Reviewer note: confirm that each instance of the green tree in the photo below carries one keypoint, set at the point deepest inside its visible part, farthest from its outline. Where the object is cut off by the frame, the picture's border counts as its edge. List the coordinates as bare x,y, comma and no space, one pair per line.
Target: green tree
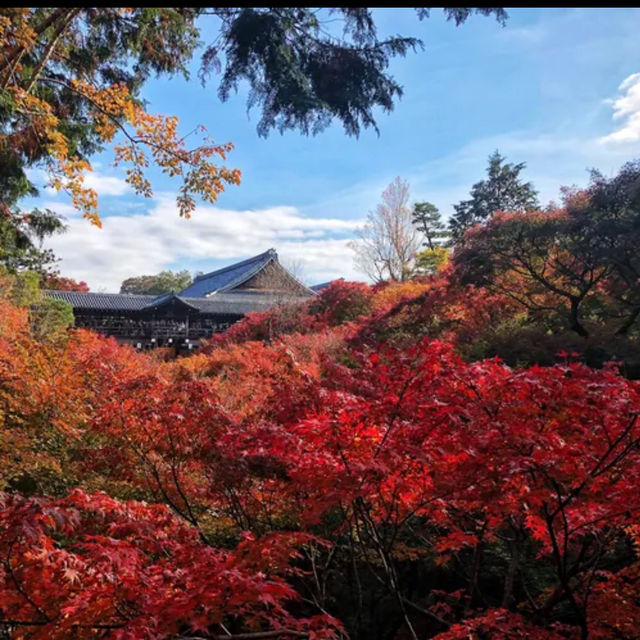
21,288
430,261
428,221
22,237
163,282
503,190
48,318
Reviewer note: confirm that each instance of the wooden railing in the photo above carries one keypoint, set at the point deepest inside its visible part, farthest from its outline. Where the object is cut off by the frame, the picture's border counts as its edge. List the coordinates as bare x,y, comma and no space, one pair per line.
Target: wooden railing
146,330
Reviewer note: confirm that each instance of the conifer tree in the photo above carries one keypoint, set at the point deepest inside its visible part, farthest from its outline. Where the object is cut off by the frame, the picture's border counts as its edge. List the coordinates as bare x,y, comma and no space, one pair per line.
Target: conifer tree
503,190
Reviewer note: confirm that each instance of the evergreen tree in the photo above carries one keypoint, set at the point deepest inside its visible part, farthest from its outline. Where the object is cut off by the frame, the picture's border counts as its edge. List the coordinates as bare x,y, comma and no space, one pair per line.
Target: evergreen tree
57,61
22,237
428,220
503,190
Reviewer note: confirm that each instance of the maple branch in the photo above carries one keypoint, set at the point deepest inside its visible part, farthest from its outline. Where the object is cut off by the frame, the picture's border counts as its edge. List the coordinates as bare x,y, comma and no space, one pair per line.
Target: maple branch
156,474
320,581
387,562
238,512
598,469
44,623
626,512
182,157
396,410
426,612
8,622
563,575
178,486
20,588
624,329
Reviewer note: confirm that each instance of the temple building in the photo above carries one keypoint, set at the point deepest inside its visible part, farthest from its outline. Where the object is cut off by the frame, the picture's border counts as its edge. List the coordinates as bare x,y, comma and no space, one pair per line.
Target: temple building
212,303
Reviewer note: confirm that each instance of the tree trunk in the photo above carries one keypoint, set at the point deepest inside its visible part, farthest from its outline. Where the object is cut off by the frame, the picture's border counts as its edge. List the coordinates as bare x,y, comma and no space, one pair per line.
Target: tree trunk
574,318
511,573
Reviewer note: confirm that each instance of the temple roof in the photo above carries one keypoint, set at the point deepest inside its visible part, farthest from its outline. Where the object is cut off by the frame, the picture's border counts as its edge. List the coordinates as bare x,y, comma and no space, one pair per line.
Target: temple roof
229,277
102,301
218,292
238,303
323,285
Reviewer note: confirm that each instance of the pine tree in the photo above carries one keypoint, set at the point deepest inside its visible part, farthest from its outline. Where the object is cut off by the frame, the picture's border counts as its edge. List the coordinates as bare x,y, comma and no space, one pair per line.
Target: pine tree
428,220
503,190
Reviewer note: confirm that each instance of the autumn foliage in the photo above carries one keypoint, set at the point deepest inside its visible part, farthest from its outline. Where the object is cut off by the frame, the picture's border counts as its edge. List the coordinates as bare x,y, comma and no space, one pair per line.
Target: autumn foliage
60,283
133,571
336,477
62,105
390,462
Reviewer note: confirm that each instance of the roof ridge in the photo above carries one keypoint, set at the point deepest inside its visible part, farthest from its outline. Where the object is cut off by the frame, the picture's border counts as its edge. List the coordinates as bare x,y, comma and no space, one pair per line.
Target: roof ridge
166,297
269,253
102,293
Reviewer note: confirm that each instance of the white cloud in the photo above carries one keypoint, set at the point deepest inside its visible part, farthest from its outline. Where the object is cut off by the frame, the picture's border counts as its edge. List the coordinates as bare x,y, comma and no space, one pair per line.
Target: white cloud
626,109
106,185
63,208
134,244
320,260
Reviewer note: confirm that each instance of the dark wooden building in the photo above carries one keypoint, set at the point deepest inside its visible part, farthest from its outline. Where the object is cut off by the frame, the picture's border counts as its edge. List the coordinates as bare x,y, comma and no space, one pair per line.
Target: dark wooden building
211,304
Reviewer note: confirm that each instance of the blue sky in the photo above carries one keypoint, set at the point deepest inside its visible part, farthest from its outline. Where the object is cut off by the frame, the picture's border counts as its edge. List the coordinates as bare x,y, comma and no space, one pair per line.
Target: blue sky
555,88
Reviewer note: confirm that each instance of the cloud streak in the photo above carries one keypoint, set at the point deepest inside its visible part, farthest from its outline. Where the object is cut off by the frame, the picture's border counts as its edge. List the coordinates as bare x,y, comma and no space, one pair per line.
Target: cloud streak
626,110
104,185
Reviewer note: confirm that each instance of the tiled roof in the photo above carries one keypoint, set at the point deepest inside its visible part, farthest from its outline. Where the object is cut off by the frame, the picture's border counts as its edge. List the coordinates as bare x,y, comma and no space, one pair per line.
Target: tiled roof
218,304
319,287
229,277
102,301
211,293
